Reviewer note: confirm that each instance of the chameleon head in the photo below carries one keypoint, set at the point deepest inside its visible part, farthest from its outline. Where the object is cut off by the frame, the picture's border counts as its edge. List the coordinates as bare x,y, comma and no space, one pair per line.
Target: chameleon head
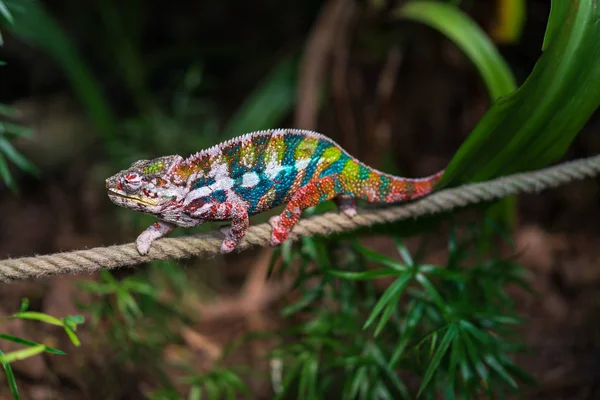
148,185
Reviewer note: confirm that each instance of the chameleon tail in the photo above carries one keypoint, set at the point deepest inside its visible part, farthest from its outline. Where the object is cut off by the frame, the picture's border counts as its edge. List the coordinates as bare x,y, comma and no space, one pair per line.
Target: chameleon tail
403,189
379,187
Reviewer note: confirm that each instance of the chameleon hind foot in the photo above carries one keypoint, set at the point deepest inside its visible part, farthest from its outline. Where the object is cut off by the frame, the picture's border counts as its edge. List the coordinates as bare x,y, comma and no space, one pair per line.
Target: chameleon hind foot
346,204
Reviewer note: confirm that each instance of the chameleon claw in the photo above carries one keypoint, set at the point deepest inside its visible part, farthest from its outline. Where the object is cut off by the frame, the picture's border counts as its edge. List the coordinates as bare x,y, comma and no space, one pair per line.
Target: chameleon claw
143,244
227,246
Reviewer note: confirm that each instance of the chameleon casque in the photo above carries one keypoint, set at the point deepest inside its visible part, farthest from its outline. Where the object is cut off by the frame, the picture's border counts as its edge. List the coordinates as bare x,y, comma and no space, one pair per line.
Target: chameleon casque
251,174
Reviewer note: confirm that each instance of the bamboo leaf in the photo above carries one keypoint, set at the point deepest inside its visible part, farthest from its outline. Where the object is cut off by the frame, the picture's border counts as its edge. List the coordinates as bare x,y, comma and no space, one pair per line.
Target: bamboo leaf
10,377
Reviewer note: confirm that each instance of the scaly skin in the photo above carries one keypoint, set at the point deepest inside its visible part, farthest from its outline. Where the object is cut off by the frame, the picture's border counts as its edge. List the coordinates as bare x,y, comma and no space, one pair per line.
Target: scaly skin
251,174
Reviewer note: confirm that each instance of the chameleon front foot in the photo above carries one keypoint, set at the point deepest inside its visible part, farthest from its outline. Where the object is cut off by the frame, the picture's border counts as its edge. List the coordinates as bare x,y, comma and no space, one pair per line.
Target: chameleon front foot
280,233
229,242
153,232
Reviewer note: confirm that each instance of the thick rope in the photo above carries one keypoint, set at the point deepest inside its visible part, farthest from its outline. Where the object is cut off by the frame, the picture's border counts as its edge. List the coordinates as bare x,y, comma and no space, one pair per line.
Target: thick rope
208,244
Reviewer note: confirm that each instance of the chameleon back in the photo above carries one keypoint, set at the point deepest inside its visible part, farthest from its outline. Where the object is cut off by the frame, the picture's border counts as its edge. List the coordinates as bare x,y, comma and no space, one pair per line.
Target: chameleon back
266,168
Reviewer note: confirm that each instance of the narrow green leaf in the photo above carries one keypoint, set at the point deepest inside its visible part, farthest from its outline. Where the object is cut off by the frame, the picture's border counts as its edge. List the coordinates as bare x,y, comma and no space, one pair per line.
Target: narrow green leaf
10,377
4,12
385,261
5,174
476,357
358,380
17,158
496,366
13,130
195,393
72,336
390,296
413,317
22,354
24,304
212,389
383,364
449,336
235,381
308,378
431,291
364,275
37,316
29,343
403,251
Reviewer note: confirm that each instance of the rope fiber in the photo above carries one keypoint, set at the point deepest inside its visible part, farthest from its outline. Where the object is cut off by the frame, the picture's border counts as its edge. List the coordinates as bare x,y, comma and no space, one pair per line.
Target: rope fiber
208,244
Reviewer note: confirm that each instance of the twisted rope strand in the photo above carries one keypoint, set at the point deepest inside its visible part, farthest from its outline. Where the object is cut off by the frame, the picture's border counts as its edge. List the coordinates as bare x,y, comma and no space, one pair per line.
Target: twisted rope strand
208,244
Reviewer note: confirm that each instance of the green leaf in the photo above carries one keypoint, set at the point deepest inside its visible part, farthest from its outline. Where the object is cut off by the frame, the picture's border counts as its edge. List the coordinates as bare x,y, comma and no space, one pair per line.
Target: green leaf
431,291
391,297
5,174
469,37
535,125
383,260
558,13
22,354
308,378
24,304
10,377
195,393
29,343
13,130
14,156
234,380
511,16
403,251
5,13
413,317
380,360
37,316
500,370
364,275
72,336
449,336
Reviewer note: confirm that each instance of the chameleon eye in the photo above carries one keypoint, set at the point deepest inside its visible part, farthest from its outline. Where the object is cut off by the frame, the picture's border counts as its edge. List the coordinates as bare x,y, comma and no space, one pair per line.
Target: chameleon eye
132,182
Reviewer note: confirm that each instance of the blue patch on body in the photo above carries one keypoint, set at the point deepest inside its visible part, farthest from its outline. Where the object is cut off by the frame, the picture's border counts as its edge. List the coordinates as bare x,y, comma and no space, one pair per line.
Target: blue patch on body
202,181
314,160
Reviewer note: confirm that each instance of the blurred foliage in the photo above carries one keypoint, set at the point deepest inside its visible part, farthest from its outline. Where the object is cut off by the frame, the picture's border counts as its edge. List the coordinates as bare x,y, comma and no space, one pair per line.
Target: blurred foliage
69,324
8,130
451,325
510,22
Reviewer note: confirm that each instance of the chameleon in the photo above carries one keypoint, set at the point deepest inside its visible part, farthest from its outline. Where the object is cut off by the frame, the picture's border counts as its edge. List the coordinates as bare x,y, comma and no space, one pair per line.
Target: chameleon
251,174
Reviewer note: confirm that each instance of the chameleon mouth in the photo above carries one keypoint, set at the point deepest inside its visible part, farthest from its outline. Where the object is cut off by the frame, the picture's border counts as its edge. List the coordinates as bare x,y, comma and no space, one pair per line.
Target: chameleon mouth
132,198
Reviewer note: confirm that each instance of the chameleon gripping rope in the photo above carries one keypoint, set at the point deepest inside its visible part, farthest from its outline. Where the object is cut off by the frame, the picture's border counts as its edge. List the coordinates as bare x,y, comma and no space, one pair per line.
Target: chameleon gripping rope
81,261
